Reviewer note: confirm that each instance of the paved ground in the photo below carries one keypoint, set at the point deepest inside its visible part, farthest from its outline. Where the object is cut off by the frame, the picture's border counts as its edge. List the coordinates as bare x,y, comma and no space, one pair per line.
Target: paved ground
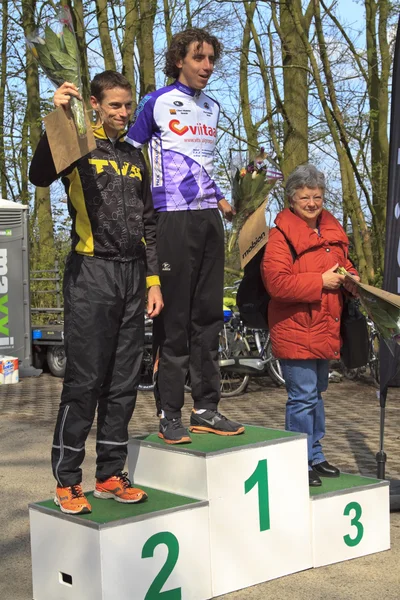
27,416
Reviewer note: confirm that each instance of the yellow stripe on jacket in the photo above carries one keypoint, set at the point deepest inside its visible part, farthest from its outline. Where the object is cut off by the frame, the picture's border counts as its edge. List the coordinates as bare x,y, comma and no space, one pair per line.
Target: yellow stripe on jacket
82,222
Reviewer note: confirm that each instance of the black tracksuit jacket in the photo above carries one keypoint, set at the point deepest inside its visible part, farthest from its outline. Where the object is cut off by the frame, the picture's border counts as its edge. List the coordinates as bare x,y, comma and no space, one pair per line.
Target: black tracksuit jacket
109,201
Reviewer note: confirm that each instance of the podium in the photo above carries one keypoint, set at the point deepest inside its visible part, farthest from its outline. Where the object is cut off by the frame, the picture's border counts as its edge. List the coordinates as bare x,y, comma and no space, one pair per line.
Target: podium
223,513
122,550
257,488
350,518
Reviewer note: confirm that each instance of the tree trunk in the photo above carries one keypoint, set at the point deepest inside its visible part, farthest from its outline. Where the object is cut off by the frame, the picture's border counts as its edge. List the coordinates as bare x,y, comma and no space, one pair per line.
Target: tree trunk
105,38
147,9
378,94
334,118
42,209
167,21
266,83
188,14
128,48
3,75
77,12
250,128
295,86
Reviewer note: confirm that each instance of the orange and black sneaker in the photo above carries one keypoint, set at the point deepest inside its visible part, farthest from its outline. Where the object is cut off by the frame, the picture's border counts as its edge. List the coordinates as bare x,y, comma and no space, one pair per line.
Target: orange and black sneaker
120,489
173,432
72,500
211,421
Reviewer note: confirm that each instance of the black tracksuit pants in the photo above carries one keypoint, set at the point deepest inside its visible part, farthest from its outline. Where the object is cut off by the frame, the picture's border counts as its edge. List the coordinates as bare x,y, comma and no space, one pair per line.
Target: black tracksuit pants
104,334
190,248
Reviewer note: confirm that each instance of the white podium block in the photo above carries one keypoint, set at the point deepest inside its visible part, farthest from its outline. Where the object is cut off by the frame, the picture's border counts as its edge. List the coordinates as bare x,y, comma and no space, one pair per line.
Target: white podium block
132,551
257,487
350,518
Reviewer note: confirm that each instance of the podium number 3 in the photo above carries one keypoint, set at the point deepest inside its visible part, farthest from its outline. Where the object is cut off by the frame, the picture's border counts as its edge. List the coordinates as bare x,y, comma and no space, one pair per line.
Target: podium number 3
260,477
353,541
154,591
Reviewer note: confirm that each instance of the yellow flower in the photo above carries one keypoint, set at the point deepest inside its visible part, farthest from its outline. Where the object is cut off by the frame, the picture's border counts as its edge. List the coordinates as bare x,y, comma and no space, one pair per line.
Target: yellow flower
242,172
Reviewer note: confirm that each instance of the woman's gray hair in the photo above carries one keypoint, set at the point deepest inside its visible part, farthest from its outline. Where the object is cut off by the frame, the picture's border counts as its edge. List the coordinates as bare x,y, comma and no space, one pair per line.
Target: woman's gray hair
304,176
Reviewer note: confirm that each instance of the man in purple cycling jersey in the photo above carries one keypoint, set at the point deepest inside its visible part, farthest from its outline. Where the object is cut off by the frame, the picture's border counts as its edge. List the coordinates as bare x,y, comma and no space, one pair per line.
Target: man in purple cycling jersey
180,124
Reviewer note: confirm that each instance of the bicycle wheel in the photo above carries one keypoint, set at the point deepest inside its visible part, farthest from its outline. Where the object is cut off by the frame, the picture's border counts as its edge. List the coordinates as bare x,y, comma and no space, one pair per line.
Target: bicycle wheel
146,383
231,383
273,365
351,374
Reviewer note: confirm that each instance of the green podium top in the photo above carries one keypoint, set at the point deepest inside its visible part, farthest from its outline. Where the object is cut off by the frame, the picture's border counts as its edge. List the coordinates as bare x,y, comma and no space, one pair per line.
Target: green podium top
109,512
209,443
344,484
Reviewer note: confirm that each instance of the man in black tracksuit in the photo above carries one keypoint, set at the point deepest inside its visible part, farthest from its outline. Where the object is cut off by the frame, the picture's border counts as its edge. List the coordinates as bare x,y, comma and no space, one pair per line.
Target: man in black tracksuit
113,255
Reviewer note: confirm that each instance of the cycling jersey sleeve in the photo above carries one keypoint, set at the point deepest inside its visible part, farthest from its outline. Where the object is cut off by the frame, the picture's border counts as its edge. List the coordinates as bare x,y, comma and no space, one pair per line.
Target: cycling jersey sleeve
143,126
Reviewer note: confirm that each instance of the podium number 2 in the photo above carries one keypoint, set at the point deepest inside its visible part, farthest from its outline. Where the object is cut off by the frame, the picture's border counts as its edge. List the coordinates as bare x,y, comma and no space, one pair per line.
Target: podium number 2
260,477
154,591
353,541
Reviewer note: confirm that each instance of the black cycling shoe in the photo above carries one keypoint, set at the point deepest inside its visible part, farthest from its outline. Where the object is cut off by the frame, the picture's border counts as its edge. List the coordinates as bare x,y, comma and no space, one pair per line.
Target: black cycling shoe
313,479
211,421
324,469
173,432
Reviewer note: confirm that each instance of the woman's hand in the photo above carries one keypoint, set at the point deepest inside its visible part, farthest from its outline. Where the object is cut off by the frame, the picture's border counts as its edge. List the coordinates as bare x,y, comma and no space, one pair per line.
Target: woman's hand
63,94
350,286
332,280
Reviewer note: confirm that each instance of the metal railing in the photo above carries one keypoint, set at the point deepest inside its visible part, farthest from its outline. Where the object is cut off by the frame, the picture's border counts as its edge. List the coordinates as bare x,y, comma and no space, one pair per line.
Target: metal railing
53,279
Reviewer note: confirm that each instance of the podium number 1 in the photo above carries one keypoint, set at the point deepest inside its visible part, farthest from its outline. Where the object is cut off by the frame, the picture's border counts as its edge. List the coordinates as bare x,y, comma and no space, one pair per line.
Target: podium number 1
260,477
353,541
154,592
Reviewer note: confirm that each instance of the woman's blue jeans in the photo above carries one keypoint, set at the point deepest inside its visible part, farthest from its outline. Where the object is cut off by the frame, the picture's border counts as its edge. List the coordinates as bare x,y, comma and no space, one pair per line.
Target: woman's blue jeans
305,380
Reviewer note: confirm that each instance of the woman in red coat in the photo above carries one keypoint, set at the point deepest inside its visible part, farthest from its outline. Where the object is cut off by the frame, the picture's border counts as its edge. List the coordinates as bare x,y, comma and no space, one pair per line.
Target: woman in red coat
299,267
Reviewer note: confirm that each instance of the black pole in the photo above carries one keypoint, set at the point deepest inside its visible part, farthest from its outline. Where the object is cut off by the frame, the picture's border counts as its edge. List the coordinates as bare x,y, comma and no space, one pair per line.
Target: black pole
381,455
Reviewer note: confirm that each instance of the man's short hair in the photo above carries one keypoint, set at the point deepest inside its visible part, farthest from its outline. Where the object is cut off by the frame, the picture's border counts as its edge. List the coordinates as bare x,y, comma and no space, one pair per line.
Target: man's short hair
179,47
108,80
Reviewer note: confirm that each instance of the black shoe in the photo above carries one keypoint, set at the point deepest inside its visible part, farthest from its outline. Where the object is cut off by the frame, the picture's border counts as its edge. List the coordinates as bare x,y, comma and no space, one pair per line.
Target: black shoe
324,469
173,432
313,479
211,421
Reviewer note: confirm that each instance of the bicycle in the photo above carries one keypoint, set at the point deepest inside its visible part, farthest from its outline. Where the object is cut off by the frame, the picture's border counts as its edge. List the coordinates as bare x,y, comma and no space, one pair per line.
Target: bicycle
373,357
262,339
231,344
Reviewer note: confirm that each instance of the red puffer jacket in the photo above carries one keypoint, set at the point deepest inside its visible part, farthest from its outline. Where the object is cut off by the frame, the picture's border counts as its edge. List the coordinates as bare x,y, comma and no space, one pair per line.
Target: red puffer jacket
304,319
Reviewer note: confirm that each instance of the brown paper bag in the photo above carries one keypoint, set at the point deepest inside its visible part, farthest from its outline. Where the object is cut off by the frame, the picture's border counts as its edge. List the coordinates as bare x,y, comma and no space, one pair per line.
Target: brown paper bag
65,144
253,235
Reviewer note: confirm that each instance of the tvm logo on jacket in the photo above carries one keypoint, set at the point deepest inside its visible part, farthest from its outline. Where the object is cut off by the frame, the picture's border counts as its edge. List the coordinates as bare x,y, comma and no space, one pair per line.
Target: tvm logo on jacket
198,129
5,339
127,169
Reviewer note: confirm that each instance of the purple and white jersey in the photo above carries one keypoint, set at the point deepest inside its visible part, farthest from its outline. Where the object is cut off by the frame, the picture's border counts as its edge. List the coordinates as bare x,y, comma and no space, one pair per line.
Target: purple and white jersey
181,126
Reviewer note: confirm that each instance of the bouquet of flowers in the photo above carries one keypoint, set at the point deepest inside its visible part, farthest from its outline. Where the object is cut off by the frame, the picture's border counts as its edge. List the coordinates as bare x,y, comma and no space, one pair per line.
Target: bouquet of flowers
382,307
56,51
250,186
